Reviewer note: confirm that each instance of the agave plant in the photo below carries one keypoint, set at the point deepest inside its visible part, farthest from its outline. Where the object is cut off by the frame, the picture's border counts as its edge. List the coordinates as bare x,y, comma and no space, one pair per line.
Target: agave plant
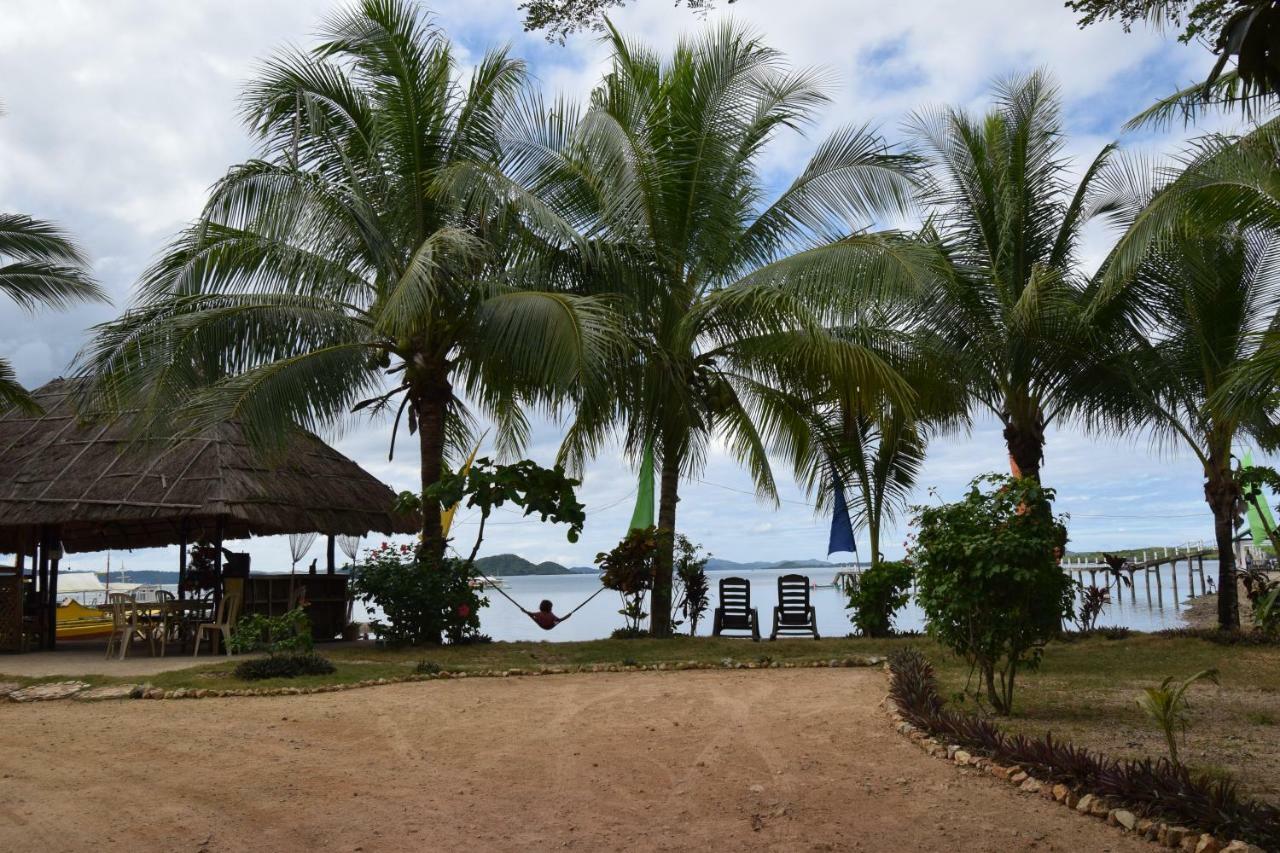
1167,706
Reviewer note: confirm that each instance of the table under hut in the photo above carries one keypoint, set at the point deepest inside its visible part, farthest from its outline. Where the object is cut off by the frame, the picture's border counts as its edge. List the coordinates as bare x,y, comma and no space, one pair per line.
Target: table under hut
74,485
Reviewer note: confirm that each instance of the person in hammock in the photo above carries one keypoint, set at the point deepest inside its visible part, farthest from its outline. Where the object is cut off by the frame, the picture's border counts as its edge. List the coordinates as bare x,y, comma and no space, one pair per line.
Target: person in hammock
545,619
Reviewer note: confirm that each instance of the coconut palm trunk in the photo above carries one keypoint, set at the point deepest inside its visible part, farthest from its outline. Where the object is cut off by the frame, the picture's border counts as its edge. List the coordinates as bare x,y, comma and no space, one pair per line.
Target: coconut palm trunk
1222,493
668,497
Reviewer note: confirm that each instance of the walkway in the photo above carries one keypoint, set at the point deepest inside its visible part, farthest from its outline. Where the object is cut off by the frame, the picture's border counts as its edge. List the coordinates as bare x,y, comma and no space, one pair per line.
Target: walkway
800,760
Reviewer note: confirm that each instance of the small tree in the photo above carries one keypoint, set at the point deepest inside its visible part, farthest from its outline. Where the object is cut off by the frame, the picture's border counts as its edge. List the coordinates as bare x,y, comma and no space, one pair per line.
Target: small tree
1167,706
628,568
879,592
691,597
988,581
427,599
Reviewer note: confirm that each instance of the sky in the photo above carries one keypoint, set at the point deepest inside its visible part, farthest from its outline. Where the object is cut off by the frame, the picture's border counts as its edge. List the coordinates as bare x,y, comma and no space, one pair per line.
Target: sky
119,116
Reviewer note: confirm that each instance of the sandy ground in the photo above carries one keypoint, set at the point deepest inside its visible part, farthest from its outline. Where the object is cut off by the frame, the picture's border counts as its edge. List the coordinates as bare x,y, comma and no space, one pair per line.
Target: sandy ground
781,760
89,658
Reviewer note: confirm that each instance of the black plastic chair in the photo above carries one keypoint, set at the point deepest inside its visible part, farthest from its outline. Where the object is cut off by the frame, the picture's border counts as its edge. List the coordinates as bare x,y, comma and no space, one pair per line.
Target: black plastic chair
794,614
735,612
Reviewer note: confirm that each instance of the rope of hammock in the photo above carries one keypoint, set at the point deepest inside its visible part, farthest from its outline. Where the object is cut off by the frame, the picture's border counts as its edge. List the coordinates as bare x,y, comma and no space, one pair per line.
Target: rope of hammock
498,589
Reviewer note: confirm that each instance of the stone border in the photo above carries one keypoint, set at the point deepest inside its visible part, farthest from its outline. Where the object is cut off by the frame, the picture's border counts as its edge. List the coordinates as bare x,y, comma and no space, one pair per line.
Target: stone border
79,690
1159,833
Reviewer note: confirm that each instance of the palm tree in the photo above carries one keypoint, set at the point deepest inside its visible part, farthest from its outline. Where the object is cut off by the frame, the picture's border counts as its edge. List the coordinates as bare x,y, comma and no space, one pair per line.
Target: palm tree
1206,302
338,270
724,295
39,265
1006,300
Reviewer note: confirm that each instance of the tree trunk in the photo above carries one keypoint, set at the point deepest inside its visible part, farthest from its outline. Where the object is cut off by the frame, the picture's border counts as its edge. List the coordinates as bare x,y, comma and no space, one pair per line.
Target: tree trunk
668,497
1026,449
1221,493
873,534
432,405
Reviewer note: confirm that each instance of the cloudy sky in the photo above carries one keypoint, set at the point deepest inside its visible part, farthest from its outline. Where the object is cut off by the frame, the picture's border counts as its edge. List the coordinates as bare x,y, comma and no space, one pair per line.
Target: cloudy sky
120,115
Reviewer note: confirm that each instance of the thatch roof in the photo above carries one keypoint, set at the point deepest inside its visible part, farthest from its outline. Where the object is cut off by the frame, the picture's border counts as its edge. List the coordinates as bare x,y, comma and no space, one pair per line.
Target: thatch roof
105,490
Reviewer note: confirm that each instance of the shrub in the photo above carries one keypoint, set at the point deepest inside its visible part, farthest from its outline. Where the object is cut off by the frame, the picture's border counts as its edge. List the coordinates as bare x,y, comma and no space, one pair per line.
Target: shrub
628,633
1093,600
288,632
423,602
283,665
988,581
693,596
1159,788
878,593
629,569
427,667
1167,706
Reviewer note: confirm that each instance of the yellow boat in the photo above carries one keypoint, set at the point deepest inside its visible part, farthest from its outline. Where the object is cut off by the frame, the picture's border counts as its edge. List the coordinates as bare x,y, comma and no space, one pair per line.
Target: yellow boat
75,621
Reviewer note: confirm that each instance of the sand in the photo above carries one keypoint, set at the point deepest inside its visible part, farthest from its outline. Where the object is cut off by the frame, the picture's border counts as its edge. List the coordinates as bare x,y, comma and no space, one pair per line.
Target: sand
780,760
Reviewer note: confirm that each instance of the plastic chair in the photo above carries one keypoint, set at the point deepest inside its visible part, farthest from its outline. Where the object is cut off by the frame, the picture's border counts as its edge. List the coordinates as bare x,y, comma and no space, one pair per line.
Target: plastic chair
794,614
735,612
223,621
126,625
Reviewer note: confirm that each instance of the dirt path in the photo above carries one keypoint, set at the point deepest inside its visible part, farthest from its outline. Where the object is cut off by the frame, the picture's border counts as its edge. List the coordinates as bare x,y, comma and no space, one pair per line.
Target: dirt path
783,760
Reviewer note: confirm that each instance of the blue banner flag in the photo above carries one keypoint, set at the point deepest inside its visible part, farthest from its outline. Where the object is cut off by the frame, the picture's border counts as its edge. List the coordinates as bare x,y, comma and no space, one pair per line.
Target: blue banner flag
841,528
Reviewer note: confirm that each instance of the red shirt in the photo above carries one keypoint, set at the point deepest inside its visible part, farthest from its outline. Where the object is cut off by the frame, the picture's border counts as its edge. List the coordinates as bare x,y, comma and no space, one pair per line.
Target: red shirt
546,619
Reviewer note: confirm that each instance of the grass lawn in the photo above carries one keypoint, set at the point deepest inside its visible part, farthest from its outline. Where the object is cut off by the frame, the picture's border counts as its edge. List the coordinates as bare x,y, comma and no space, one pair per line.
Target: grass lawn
1085,691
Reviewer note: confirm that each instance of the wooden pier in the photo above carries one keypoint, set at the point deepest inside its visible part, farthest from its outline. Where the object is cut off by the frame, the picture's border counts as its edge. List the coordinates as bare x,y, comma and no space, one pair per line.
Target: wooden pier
1150,564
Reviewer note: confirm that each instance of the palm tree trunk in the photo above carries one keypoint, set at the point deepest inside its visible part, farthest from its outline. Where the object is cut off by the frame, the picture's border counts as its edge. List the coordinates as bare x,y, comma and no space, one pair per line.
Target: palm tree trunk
432,406
873,534
1026,450
668,497
1221,493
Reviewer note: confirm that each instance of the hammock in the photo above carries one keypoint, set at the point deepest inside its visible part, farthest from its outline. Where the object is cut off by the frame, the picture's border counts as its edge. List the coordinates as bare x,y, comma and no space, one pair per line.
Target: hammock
498,589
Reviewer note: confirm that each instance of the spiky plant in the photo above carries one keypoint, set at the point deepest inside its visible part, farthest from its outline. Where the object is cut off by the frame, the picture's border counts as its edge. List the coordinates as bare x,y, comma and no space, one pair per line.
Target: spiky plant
1167,706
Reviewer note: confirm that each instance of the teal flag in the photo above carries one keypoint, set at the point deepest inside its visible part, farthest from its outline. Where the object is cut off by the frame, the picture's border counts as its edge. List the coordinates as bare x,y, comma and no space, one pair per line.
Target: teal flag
643,515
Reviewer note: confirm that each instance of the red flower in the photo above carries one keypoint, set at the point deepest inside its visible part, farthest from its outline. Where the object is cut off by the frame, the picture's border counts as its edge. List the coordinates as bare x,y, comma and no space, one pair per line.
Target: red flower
464,610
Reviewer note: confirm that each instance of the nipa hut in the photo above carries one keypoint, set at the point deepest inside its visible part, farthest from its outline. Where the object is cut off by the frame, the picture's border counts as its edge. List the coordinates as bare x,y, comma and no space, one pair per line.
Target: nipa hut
71,485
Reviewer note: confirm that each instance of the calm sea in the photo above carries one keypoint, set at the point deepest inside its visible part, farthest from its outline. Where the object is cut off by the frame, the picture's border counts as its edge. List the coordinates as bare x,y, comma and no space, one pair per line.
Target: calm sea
1131,608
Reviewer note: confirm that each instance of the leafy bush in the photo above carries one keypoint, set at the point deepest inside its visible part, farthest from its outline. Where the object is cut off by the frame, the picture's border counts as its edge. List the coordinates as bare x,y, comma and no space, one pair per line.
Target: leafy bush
693,595
288,632
1155,787
629,569
988,581
427,667
283,665
423,602
628,634
878,593
1221,637
1093,600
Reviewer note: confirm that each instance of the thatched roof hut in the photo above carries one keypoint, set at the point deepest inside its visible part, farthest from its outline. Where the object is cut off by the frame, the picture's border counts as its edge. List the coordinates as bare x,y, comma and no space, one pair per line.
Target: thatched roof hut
102,490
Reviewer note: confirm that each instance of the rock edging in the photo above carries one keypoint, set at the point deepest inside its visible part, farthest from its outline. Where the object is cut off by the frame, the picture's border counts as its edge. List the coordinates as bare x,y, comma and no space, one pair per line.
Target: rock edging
1158,832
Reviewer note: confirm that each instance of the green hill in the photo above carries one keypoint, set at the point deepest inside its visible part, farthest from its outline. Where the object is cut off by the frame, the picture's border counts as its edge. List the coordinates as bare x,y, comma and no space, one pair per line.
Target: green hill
512,565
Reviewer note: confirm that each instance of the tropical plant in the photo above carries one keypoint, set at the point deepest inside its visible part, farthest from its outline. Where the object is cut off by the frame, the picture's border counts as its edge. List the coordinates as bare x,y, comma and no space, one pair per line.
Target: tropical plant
1167,706
1093,600
39,265
560,19
1005,305
692,591
988,581
423,601
724,296
1201,305
290,632
283,665
879,591
338,270
629,569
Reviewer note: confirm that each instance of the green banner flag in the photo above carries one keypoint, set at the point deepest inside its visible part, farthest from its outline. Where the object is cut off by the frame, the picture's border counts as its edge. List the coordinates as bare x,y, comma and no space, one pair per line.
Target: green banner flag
643,515
1260,519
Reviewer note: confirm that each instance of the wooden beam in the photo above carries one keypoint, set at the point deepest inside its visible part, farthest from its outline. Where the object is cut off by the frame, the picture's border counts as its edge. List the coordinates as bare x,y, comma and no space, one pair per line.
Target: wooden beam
55,551
182,560
330,554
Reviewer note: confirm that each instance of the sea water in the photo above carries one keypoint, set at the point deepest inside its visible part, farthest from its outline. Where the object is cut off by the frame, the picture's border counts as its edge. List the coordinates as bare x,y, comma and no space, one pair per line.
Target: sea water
501,620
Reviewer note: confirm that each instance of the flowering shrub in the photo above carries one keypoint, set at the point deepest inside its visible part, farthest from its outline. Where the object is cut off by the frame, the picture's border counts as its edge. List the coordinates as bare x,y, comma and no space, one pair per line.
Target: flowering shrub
423,602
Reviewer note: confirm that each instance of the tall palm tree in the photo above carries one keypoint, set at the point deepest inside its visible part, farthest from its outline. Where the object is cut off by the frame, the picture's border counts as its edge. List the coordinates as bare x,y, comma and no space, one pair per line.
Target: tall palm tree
1201,305
39,265
724,294
1006,298
338,270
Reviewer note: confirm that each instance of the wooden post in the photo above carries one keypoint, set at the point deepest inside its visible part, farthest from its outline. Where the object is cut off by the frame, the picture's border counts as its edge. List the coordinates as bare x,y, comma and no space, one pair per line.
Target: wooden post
1201,569
182,561
1191,579
217,584
42,596
55,551
1159,589
1146,576
1174,577
331,567
1133,587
